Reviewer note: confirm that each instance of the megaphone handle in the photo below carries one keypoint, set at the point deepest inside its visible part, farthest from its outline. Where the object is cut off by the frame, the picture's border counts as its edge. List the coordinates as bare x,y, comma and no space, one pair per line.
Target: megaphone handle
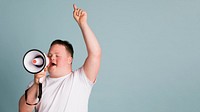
42,78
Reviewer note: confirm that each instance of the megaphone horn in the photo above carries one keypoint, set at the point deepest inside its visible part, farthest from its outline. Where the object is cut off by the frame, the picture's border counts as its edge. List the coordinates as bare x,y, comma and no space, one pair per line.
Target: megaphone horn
34,61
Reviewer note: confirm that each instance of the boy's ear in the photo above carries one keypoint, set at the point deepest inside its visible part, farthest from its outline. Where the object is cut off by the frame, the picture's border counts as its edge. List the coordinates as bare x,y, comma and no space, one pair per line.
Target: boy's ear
69,60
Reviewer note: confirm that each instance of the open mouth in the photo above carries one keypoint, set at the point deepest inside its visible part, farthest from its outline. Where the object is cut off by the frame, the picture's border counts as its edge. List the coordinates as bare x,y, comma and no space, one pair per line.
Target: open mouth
53,64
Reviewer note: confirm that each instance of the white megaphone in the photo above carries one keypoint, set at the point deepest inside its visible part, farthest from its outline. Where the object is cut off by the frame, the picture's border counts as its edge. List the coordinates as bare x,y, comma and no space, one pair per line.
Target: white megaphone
34,61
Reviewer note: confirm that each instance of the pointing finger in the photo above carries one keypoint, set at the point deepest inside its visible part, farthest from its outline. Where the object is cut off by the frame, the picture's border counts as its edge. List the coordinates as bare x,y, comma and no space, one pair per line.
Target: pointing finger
75,7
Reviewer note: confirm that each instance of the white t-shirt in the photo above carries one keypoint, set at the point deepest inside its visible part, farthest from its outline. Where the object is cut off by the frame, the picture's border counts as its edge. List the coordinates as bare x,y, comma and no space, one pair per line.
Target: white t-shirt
66,94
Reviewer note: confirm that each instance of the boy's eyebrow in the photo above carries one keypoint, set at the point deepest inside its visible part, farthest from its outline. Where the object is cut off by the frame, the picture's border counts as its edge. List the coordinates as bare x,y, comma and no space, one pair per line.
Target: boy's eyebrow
54,53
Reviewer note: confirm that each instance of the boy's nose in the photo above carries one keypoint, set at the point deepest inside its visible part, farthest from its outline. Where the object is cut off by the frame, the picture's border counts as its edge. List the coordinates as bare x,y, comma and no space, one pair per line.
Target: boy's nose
52,57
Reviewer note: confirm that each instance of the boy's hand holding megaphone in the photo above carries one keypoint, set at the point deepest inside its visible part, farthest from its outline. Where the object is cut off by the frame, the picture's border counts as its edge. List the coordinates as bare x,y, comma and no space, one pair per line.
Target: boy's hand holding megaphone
39,77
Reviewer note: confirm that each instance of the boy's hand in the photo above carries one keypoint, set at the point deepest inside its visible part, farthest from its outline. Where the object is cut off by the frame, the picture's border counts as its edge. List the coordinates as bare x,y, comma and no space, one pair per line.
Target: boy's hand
40,75
79,15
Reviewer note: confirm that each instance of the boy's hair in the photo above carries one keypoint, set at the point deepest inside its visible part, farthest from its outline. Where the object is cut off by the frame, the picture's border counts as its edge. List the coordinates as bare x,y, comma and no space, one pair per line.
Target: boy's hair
65,43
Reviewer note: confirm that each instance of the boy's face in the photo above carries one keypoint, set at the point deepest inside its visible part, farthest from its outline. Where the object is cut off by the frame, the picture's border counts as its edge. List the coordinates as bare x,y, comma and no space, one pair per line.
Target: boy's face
60,60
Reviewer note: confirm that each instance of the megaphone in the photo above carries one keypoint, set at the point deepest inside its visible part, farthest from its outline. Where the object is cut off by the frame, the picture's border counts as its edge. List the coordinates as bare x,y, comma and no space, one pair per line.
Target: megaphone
34,61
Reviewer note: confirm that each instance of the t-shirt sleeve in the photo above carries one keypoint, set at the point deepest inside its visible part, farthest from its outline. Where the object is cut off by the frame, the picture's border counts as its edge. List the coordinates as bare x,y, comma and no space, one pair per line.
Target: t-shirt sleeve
83,77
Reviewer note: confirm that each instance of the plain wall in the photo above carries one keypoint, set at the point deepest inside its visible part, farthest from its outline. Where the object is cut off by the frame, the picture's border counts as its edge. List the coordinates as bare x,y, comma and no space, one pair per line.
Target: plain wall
151,50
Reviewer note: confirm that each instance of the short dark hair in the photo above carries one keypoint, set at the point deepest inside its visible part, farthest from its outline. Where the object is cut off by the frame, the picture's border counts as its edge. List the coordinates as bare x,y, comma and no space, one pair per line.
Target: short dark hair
65,43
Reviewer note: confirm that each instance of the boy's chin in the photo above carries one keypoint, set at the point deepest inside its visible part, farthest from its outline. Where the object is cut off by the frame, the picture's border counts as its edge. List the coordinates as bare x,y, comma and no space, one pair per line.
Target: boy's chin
51,70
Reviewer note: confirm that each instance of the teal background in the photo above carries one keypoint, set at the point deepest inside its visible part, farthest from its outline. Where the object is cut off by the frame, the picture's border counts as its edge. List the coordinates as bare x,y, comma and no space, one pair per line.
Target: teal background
151,50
